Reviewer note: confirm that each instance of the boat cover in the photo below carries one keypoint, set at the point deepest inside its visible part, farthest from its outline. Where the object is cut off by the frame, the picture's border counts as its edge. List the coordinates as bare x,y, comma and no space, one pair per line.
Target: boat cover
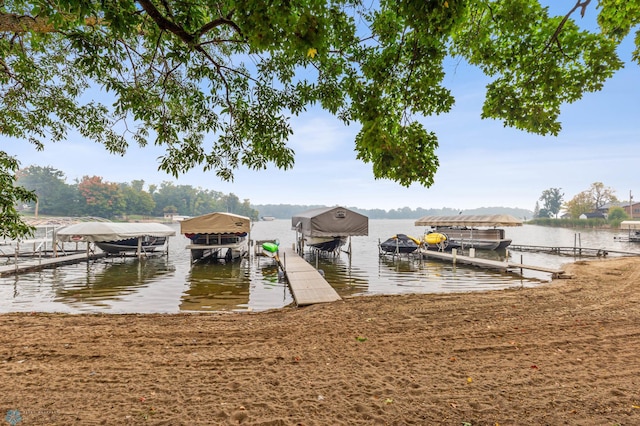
330,222
400,243
112,231
469,220
630,224
216,223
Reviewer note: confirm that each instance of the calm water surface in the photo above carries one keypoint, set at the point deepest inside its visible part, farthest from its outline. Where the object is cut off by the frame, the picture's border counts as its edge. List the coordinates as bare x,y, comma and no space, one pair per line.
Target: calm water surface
170,284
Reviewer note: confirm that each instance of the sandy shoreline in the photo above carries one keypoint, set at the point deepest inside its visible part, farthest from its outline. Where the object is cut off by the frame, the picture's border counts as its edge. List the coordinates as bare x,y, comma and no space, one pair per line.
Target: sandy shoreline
563,353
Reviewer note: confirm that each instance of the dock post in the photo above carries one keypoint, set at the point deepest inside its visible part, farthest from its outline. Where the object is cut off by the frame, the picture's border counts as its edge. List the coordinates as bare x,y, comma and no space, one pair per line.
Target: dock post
580,242
522,263
454,253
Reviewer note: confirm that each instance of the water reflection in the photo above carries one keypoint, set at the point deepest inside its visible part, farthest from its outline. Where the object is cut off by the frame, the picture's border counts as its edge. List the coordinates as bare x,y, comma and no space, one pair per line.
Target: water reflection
214,286
172,284
248,284
400,265
107,281
340,271
269,288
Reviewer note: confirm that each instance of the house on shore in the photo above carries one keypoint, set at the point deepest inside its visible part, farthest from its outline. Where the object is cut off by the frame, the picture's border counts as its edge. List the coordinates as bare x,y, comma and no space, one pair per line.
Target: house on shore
631,209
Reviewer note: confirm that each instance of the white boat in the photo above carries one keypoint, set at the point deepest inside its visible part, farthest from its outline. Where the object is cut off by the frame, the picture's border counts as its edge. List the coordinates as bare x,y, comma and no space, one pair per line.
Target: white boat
328,228
217,236
471,231
116,238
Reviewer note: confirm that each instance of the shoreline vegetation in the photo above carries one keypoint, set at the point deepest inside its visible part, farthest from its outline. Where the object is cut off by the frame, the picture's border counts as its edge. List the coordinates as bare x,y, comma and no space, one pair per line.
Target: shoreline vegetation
285,211
576,223
562,353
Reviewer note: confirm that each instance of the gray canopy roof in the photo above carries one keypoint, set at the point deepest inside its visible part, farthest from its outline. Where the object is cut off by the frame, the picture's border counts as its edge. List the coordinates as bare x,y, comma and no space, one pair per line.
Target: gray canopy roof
330,222
469,220
112,231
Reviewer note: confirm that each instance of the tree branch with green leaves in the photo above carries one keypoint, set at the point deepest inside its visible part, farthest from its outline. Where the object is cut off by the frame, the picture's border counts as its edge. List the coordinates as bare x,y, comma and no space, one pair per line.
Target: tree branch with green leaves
12,225
216,82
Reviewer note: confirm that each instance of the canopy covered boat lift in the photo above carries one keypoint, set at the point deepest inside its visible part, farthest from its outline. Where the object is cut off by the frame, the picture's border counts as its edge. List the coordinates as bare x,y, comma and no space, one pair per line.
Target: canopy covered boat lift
217,236
475,231
328,228
116,238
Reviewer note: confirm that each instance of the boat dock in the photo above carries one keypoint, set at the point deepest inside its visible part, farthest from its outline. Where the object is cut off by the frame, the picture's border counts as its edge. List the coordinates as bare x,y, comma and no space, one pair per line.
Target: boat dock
570,251
489,264
47,262
307,285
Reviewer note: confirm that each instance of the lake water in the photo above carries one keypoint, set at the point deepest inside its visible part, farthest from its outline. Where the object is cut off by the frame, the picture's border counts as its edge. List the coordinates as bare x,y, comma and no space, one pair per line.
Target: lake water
169,284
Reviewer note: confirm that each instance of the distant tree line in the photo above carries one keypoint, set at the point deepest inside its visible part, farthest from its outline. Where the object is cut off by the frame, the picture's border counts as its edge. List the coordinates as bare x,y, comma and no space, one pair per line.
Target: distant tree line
92,196
286,211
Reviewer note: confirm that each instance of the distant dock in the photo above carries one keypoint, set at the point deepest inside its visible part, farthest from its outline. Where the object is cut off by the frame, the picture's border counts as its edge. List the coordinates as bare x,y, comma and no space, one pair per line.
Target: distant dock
47,262
489,264
570,251
307,285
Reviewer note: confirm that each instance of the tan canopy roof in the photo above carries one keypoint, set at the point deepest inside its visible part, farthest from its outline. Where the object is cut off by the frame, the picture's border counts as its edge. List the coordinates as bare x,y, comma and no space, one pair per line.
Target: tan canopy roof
630,224
112,231
330,222
216,223
469,220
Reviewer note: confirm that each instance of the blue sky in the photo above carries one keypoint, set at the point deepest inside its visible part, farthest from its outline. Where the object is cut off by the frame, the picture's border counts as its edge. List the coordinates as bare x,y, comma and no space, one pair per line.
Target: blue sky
482,163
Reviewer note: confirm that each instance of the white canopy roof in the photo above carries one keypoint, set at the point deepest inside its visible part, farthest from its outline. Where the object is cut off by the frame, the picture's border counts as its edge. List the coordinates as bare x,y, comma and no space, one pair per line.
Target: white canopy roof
469,220
630,224
216,223
111,231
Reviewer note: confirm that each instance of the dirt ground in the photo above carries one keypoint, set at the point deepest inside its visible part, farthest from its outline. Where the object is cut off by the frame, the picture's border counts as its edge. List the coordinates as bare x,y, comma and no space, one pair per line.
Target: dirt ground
566,353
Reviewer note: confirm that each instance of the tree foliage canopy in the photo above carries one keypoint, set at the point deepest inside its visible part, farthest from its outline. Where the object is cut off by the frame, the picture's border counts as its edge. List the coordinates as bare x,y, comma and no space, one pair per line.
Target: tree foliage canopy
602,195
552,199
579,204
215,82
11,225
93,196
590,200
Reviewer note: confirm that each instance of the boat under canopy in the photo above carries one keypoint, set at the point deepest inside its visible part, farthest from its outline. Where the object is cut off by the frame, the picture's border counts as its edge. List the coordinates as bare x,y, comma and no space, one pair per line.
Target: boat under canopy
116,237
477,231
217,235
328,228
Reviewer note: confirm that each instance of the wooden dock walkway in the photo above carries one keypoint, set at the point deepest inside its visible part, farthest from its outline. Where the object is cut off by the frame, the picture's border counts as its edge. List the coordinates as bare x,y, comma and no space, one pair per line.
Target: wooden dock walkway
570,251
489,264
47,262
307,285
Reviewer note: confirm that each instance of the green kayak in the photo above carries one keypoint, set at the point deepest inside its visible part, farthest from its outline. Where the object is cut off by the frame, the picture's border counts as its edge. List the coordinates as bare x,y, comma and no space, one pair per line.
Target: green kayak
270,248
